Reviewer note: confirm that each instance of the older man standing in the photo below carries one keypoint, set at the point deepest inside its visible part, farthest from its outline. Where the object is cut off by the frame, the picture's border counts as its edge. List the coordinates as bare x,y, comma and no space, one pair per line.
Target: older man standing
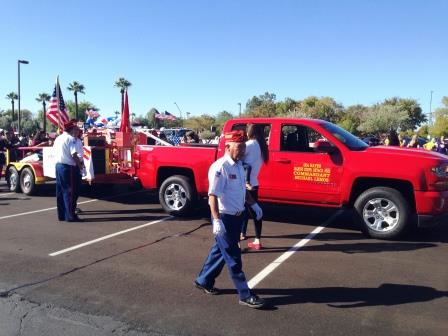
227,196
68,165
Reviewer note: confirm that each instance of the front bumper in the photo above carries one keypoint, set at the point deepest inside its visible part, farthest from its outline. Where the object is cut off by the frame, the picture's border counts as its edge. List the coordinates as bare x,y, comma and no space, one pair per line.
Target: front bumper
425,221
431,207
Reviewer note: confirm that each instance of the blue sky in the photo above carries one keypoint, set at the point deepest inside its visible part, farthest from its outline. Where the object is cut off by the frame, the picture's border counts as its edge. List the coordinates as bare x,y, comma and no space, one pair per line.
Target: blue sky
210,55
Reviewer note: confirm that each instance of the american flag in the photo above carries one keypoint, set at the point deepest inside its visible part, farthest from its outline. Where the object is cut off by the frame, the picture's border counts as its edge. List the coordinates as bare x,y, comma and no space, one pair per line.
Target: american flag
57,118
169,116
158,115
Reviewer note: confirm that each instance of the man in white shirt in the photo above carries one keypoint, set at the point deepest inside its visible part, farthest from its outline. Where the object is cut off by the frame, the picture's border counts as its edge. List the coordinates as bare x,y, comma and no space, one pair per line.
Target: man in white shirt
67,166
227,196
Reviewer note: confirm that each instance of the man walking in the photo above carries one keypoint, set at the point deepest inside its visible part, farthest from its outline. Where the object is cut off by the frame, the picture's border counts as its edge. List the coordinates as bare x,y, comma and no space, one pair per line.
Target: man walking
67,166
227,196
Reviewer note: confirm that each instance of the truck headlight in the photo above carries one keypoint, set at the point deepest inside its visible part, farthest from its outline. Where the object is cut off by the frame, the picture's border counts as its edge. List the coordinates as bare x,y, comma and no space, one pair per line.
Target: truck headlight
441,170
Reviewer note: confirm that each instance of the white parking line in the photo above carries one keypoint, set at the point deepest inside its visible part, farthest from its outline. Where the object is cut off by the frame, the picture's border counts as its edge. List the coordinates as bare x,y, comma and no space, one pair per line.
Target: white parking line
277,262
1,195
53,208
90,242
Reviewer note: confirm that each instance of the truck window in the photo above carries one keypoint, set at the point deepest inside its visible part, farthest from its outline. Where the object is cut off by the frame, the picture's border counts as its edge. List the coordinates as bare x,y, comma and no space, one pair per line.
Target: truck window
297,138
266,130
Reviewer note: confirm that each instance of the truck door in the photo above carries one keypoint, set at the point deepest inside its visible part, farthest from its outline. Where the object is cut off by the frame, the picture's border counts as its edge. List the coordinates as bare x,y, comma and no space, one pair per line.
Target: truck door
297,173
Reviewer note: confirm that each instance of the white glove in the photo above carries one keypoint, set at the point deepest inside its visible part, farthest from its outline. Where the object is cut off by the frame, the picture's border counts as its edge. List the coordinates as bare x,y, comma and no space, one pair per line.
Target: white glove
218,226
258,212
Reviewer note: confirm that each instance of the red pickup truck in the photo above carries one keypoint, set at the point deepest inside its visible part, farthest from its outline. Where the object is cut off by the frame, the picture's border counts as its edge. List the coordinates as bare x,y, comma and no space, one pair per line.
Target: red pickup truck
314,162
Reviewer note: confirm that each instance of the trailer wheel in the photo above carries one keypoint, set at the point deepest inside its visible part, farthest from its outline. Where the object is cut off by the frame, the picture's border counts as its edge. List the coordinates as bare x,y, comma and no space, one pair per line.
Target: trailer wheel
383,213
177,195
27,181
12,179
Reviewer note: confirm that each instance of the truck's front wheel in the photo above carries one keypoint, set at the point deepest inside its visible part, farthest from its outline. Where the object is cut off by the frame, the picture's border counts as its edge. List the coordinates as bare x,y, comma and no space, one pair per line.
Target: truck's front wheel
177,195
382,213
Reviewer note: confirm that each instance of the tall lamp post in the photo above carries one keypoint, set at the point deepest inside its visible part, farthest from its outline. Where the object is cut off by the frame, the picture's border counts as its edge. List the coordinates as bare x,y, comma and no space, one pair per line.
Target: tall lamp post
430,109
239,115
179,112
18,77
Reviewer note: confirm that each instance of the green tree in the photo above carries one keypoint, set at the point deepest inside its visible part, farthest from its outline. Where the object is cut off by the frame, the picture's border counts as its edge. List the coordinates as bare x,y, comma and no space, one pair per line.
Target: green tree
122,84
221,119
415,116
201,123
286,107
12,96
83,107
153,122
423,131
43,98
325,108
351,118
382,119
261,106
6,119
440,126
76,87
442,111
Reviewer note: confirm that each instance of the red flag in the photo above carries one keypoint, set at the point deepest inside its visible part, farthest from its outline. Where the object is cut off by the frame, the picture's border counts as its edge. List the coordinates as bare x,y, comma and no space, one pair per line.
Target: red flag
125,125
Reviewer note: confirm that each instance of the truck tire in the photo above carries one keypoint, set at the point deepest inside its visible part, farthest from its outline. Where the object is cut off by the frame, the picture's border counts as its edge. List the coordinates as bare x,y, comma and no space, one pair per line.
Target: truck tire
27,181
177,195
383,213
12,179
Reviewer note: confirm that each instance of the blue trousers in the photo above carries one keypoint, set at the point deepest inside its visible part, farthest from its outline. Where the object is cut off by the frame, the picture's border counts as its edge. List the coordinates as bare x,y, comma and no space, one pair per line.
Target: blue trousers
225,250
65,187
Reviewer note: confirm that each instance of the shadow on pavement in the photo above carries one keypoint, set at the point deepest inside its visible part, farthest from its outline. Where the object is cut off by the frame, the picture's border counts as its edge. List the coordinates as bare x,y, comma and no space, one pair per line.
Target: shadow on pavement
347,297
119,212
118,219
373,247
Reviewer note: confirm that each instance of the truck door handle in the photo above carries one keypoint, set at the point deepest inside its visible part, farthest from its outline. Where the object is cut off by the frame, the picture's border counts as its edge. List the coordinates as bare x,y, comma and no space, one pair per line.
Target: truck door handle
283,161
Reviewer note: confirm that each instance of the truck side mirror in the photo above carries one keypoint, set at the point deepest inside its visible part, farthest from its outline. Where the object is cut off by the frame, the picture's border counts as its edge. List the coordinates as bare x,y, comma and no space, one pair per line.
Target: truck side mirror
324,146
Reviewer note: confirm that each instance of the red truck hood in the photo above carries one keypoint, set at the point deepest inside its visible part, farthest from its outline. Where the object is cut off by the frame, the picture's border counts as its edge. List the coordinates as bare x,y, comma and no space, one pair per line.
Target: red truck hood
406,153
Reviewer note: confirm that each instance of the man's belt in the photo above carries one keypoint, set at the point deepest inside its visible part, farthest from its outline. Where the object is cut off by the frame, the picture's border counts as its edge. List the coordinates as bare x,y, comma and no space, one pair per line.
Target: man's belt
236,214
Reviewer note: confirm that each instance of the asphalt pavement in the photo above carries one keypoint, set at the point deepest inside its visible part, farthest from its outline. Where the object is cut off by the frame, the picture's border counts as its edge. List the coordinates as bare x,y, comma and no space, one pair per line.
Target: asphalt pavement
128,269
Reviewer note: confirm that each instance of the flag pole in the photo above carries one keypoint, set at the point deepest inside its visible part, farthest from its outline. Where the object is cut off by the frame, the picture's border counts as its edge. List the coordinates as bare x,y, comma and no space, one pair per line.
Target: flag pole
59,111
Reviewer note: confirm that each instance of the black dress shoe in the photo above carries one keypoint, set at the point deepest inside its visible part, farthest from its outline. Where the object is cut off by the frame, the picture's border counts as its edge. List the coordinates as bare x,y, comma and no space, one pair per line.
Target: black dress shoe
75,219
253,301
207,290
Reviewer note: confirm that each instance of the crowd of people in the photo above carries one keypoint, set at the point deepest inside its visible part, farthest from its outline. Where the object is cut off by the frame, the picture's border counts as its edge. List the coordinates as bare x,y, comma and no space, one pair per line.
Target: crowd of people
436,144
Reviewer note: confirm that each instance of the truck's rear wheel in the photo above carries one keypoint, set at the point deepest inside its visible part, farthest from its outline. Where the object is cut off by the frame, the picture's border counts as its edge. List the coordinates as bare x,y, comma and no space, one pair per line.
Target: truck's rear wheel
27,181
177,195
383,213
12,179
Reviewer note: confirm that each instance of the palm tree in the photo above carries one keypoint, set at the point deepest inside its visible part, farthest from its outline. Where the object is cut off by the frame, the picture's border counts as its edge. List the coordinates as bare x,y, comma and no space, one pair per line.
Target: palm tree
43,98
76,87
12,96
122,84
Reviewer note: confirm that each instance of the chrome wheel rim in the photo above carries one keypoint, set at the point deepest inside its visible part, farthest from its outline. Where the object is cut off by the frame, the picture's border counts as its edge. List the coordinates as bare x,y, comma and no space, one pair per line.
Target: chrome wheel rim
381,214
26,180
13,181
175,196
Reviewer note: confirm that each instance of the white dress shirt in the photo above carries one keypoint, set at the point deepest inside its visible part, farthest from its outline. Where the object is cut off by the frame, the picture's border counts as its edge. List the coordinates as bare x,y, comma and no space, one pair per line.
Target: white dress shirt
254,160
64,147
226,181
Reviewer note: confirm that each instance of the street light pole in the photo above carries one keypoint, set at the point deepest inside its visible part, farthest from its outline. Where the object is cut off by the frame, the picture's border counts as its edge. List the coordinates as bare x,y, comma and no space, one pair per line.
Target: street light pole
430,110
240,110
180,114
18,80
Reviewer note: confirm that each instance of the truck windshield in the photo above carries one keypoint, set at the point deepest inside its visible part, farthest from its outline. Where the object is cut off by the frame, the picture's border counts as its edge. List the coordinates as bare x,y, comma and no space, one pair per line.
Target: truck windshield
348,139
